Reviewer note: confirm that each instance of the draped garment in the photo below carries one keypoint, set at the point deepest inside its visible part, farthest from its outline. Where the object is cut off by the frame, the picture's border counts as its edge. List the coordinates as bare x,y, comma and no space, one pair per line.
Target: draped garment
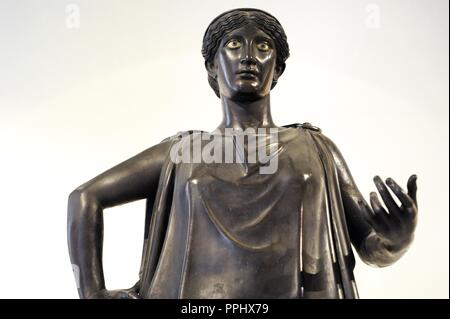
223,230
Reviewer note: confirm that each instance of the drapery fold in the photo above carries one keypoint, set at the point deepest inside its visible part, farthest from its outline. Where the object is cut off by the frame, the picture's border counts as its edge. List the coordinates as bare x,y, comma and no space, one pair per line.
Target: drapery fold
344,257
326,262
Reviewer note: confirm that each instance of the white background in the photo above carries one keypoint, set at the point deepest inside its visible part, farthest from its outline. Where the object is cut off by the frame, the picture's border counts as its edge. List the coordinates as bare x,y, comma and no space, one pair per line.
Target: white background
77,101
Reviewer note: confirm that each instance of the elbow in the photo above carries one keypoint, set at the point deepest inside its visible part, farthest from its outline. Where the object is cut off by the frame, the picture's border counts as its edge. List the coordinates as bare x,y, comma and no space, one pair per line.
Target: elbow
82,203
75,197
82,217
82,196
78,198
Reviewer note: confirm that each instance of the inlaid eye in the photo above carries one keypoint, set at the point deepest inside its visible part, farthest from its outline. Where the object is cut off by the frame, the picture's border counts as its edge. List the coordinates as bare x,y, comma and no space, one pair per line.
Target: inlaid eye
233,44
263,46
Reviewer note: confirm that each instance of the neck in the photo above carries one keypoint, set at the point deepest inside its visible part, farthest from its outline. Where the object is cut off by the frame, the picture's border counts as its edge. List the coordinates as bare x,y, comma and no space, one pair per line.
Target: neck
246,114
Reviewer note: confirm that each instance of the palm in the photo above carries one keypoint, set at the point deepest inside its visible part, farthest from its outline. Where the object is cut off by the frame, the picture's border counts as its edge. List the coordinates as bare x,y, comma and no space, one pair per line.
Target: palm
397,224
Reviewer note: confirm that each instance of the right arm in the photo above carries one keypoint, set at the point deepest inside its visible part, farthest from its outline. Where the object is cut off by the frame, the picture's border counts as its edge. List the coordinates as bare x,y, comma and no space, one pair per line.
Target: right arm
134,179
380,238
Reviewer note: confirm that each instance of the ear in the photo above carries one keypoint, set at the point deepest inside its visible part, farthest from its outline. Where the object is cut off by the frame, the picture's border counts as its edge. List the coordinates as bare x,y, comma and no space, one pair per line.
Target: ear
279,69
211,68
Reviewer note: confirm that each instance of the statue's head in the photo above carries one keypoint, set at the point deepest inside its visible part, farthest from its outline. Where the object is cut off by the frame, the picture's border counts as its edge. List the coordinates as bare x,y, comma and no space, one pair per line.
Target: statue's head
245,51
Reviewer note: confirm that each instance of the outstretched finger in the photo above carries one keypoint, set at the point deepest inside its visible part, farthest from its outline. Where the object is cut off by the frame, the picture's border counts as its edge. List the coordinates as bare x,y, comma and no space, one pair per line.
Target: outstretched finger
404,198
412,188
387,198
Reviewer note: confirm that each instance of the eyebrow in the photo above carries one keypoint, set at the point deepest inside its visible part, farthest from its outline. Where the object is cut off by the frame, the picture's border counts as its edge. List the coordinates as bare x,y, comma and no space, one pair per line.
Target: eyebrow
228,37
263,37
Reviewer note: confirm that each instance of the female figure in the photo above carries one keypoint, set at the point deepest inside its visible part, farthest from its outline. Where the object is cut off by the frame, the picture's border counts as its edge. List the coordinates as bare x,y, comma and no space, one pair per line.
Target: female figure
224,229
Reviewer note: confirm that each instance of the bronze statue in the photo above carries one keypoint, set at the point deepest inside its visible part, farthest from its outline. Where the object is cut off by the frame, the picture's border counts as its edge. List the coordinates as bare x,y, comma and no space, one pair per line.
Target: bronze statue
225,229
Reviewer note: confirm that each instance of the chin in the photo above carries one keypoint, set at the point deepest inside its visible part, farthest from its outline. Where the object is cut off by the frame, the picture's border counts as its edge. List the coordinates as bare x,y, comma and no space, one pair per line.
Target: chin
247,94
245,90
248,86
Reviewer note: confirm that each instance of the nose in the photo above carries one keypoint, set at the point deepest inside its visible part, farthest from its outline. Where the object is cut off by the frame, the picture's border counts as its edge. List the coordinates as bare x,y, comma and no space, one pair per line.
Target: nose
248,60
247,55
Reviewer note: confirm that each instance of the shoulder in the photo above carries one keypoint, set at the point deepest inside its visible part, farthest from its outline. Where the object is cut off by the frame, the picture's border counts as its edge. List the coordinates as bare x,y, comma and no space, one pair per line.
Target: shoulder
317,133
306,126
176,141
178,136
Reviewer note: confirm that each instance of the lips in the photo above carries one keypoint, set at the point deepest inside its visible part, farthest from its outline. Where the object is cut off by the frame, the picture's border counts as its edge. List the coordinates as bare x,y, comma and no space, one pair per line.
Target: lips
248,73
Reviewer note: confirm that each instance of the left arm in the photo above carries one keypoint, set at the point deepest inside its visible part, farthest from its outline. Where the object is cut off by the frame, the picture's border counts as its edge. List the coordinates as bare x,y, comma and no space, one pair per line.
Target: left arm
380,237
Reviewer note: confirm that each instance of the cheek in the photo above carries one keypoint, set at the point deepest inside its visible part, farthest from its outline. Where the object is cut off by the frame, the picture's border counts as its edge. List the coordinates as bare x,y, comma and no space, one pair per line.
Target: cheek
268,63
267,58
225,63
228,64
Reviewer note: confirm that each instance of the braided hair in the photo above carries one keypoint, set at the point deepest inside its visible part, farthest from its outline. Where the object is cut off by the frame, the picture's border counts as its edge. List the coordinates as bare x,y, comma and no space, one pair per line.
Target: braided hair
234,19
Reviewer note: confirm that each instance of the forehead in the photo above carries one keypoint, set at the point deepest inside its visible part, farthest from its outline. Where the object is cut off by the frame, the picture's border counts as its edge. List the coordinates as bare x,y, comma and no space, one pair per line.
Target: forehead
250,30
